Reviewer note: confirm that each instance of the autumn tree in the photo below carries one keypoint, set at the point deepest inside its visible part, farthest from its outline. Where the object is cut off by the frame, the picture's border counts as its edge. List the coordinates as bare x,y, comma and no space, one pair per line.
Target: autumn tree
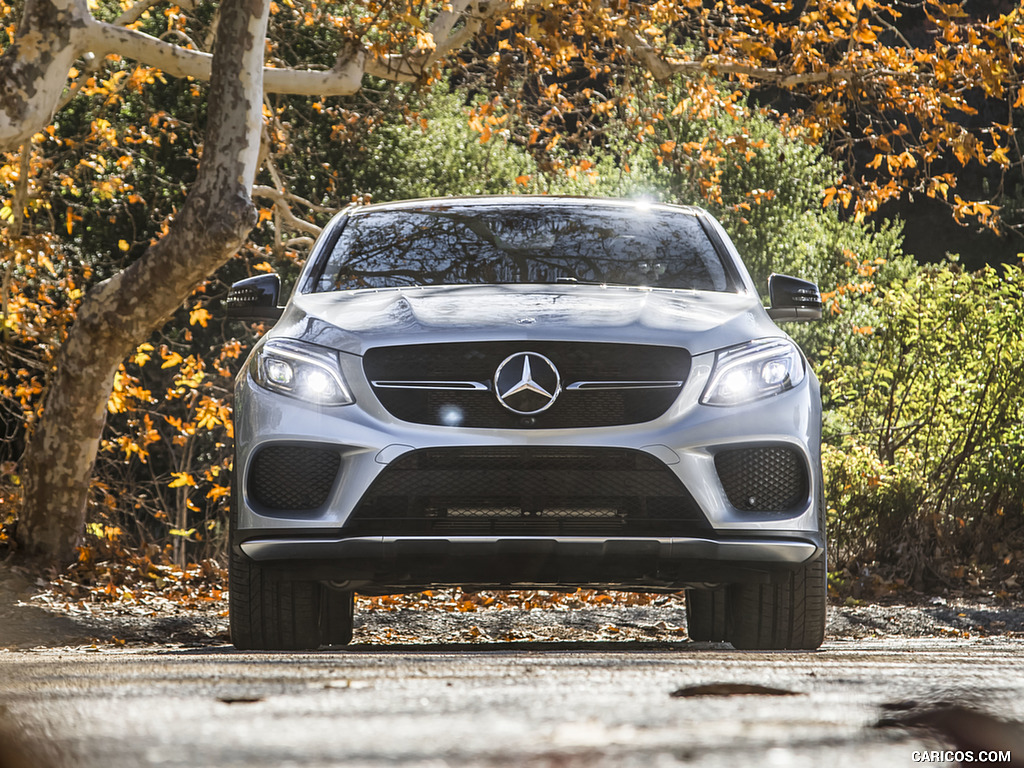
852,81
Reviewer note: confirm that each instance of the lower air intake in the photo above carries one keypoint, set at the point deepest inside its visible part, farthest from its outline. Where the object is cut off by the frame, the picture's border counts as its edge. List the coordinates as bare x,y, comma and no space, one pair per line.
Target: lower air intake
527,491
770,479
292,477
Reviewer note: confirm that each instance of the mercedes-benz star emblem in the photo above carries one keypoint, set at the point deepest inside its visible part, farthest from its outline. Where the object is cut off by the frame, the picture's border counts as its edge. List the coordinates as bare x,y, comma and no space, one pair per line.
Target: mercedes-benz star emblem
527,383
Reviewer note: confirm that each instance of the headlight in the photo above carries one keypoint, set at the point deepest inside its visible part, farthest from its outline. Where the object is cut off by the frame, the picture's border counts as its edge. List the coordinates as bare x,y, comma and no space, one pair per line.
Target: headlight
752,371
301,371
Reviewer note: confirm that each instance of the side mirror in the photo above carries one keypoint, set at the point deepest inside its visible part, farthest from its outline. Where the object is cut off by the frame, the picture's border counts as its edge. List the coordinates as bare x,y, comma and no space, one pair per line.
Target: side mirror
793,300
255,298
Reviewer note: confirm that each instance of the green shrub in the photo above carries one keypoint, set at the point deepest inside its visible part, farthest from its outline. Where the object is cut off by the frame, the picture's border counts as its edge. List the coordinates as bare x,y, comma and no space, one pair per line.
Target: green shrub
442,155
923,420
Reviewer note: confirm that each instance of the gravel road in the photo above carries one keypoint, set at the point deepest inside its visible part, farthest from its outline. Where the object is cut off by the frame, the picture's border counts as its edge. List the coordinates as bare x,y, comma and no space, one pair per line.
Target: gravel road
532,704
145,684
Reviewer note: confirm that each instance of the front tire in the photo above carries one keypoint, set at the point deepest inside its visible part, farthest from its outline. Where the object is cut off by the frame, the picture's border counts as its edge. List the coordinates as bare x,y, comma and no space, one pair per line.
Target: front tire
337,611
787,613
706,615
269,612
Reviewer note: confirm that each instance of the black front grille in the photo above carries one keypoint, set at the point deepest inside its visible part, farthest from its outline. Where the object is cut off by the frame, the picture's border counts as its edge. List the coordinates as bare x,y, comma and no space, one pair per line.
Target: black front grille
527,491
576,362
292,477
768,479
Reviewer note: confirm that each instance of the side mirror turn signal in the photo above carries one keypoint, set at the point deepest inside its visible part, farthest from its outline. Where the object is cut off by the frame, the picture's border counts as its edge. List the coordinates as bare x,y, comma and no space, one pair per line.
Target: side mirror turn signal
793,300
255,298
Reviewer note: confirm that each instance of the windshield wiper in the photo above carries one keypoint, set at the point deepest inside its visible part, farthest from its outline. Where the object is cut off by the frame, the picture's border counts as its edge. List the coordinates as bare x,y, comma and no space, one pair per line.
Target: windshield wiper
575,281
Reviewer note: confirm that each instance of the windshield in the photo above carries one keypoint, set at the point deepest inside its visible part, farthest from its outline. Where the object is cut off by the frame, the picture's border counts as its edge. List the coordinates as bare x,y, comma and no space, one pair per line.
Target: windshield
455,244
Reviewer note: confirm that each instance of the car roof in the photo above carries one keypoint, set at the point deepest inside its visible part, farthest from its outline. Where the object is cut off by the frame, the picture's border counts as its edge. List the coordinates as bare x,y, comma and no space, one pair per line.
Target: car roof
504,201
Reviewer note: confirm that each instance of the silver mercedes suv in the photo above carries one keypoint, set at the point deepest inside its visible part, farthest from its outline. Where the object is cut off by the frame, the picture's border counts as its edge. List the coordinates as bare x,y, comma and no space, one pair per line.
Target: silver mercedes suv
527,392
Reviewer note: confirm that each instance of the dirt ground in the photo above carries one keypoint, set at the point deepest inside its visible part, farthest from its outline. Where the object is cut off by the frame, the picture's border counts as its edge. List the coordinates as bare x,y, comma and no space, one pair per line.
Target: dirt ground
33,614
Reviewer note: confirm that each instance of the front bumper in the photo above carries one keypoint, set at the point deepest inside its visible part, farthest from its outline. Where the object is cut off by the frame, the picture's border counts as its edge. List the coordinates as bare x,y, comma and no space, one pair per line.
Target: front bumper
735,545
396,563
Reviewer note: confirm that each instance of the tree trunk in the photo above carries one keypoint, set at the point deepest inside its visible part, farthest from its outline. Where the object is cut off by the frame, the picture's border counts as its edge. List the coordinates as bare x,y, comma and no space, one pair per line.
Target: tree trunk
34,67
121,312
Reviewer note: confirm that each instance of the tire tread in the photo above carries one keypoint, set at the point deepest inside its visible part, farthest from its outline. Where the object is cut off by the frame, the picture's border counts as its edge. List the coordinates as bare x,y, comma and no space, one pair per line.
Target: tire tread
266,610
706,615
788,613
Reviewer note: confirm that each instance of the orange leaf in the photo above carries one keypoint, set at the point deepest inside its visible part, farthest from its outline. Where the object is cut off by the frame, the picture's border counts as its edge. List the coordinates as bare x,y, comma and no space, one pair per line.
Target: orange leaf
199,315
864,35
217,491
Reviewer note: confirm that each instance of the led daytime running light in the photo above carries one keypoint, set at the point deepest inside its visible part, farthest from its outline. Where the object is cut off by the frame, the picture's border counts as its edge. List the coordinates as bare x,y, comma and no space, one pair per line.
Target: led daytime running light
754,371
305,373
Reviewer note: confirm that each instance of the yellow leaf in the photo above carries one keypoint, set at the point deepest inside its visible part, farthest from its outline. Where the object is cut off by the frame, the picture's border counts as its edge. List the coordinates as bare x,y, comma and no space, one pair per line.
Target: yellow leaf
171,360
207,419
999,155
181,479
123,245
141,357
116,403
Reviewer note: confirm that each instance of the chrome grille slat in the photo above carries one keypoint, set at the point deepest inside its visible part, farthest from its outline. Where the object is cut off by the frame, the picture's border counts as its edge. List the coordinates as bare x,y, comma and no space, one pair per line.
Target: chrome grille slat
625,385
479,386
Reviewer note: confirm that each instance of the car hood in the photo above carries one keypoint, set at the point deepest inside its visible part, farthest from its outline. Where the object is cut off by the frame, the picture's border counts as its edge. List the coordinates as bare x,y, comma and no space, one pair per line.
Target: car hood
354,321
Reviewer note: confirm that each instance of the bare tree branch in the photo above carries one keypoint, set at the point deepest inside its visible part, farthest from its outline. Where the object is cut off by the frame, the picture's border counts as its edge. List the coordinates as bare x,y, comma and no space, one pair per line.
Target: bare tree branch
281,199
663,67
177,61
36,74
410,67
134,13
442,26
